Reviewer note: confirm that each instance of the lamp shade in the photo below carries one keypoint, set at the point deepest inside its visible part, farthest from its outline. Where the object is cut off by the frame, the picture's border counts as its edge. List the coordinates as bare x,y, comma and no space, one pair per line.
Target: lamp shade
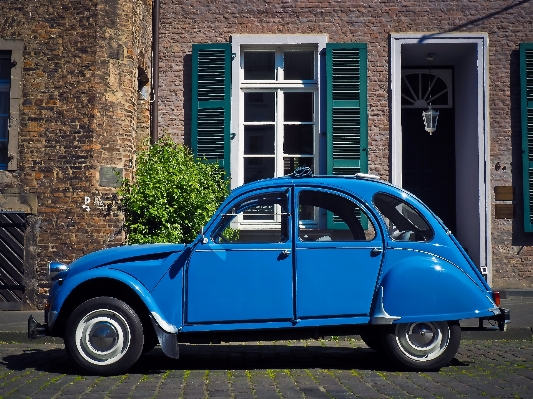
430,120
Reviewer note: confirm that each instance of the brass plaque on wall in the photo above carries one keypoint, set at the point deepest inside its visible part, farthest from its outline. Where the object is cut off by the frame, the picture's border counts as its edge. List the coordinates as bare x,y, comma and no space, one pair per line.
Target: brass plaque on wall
110,176
504,211
503,193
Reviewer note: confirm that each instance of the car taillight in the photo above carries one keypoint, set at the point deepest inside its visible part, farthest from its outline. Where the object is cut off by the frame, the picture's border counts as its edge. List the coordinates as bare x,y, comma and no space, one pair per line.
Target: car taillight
496,297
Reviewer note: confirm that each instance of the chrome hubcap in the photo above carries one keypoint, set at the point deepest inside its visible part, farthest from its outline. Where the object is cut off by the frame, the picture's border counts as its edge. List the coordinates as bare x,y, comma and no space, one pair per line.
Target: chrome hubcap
423,341
103,336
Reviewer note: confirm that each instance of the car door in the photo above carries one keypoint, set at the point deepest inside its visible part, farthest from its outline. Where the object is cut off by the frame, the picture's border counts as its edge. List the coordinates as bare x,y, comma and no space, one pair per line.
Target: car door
243,273
337,263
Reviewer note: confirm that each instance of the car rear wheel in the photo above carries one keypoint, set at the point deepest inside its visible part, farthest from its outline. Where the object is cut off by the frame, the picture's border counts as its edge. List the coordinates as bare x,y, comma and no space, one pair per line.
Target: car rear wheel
104,336
422,346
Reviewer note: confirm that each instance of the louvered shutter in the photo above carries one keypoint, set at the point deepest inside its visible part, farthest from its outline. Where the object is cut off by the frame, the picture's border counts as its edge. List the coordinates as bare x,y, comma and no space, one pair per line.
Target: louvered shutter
526,85
347,128
210,138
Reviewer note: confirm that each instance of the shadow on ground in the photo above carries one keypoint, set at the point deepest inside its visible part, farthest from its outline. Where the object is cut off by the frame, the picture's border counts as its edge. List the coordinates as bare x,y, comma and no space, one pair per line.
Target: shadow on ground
217,357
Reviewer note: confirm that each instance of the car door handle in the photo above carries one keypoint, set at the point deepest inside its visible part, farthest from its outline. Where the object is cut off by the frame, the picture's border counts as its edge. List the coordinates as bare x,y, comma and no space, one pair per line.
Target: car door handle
375,252
284,254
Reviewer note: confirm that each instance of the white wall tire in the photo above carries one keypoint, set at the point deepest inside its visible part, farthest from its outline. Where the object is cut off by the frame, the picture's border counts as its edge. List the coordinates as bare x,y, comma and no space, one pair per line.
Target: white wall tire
104,336
422,346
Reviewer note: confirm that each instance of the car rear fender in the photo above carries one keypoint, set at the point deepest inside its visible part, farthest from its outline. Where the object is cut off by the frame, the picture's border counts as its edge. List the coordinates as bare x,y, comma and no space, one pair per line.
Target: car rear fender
424,287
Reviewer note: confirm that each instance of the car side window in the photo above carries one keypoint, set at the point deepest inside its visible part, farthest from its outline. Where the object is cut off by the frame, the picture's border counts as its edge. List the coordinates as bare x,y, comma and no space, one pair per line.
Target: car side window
404,222
313,209
270,207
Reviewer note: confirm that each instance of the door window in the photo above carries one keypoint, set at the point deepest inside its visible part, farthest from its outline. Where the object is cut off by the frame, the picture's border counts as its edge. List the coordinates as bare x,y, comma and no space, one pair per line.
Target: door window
269,208
313,210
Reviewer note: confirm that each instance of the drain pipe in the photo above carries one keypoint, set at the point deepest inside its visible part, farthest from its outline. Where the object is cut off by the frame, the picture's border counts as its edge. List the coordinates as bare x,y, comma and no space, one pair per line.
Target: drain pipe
154,105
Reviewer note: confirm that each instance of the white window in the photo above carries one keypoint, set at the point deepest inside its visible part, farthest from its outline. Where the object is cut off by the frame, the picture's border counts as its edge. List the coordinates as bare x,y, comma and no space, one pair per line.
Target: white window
275,105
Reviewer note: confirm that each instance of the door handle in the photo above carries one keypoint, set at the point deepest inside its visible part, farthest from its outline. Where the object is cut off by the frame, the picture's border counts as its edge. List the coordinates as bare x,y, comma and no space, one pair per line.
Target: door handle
284,254
375,252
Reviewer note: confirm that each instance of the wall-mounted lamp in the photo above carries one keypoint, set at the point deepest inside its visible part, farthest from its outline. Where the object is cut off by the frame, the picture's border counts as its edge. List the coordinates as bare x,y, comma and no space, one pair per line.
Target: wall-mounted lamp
430,116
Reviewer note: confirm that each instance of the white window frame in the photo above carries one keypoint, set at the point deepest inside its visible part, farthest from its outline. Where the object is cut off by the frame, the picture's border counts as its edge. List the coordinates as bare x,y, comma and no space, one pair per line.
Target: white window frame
240,43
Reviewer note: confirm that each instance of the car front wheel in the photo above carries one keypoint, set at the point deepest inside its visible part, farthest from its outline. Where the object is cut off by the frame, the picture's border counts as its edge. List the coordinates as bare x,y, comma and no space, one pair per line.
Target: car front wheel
104,336
422,346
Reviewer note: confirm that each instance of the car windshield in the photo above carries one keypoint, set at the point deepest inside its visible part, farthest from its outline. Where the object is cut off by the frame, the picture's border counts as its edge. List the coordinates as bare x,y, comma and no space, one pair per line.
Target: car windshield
404,222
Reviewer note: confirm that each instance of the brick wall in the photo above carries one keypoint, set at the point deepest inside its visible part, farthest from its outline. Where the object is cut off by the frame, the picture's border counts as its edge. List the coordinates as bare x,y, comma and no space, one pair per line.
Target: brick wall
80,111
507,24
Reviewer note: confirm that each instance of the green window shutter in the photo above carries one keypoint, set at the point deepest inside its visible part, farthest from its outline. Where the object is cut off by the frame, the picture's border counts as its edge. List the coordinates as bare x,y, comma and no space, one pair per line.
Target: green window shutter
347,125
211,85
526,85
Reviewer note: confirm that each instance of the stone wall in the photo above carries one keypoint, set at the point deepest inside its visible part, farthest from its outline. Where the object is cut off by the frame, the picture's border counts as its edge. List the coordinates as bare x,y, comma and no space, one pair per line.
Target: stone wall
507,24
79,112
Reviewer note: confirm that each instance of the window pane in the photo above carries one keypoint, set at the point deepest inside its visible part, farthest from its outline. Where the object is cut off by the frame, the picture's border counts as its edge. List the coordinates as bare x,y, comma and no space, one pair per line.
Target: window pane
298,139
4,101
259,65
313,203
5,66
3,152
258,168
261,208
291,163
260,107
403,221
259,140
298,107
4,120
299,65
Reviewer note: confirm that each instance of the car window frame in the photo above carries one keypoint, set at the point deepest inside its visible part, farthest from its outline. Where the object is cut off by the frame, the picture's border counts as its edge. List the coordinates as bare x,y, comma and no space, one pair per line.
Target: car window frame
231,211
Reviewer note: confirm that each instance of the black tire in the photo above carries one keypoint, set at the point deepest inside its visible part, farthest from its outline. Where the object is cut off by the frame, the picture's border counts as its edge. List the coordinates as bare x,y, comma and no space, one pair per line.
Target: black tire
150,342
422,346
104,336
373,339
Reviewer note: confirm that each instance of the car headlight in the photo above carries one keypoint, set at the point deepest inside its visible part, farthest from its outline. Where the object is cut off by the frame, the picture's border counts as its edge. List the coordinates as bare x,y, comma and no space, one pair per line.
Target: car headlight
54,268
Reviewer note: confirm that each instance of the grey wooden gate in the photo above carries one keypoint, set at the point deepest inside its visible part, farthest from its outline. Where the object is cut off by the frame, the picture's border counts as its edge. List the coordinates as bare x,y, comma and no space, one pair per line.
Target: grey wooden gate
12,227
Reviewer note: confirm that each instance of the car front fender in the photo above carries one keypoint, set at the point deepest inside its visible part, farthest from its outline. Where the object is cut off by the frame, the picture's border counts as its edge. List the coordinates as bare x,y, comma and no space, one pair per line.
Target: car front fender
64,289
429,288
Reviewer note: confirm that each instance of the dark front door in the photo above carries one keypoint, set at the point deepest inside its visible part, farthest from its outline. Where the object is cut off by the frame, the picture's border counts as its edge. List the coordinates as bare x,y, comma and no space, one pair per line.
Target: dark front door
12,227
428,160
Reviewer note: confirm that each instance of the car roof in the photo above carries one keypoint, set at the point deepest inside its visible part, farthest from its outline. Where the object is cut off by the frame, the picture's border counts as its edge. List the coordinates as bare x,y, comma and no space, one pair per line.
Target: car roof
366,182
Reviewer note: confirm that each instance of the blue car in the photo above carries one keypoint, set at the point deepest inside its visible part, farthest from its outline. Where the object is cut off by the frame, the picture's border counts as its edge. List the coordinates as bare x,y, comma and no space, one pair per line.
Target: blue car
295,257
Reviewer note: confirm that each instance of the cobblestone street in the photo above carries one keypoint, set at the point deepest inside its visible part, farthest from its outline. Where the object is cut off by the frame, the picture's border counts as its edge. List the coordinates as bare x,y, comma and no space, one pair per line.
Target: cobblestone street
302,369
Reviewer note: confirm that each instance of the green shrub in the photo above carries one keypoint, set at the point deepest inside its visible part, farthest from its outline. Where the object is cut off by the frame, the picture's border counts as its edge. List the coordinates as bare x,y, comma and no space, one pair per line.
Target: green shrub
171,196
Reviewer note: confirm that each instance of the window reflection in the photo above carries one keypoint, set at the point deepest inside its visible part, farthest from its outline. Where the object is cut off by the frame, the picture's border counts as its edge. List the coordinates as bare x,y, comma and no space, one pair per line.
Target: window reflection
258,168
298,107
259,140
299,65
298,139
260,107
259,65
348,214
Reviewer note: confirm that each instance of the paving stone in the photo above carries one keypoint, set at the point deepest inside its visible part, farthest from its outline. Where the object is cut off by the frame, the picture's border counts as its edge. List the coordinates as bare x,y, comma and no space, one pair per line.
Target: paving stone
480,369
